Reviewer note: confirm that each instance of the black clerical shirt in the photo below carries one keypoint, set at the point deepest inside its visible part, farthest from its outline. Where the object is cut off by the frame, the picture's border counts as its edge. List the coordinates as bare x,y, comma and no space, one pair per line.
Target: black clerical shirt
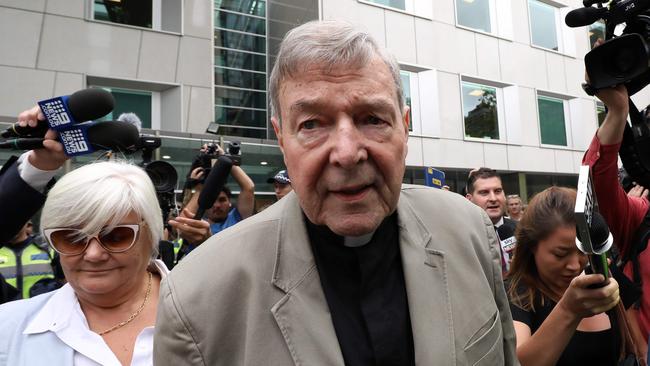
366,294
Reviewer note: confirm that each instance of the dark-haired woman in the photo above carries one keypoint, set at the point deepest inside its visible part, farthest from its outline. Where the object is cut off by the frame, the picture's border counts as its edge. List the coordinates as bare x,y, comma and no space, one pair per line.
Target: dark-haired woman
558,319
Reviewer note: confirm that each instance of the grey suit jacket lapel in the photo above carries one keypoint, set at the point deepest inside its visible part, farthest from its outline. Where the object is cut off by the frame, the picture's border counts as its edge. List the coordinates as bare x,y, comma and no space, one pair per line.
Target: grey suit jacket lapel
427,289
302,314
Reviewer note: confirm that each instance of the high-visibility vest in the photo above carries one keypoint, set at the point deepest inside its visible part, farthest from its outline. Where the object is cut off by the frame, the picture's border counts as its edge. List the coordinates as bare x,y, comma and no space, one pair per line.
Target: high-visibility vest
23,269
177,246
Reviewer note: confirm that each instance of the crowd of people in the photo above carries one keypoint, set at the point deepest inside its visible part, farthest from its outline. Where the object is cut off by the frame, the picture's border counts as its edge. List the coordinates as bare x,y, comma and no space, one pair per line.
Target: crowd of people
349,266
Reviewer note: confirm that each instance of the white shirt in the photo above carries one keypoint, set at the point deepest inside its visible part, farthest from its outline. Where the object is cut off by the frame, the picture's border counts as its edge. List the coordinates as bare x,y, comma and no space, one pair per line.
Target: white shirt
33,176
62,315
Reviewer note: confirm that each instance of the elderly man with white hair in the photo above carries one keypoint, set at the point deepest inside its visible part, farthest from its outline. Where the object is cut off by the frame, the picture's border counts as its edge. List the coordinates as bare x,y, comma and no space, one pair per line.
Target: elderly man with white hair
352,267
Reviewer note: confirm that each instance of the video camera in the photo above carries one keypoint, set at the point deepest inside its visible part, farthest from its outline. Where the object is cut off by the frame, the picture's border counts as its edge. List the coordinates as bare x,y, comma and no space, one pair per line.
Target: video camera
621,59
208,156
162,174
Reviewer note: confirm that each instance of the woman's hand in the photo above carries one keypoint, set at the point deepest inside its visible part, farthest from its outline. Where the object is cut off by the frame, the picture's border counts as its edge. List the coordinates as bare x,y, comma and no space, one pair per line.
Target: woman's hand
583,302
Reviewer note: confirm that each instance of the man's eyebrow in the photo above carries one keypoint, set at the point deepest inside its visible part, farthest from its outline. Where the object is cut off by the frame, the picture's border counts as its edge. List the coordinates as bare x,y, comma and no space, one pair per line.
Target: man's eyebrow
373,104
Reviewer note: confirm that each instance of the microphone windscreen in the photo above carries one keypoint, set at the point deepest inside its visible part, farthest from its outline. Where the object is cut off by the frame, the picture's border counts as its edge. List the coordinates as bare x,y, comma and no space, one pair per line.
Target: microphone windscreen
90,104
113,135
505,231
131,118
215,182
599,231
584,16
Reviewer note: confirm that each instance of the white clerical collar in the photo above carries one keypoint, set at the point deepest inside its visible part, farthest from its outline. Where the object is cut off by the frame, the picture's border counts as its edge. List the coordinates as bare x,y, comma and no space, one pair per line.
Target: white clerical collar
357,241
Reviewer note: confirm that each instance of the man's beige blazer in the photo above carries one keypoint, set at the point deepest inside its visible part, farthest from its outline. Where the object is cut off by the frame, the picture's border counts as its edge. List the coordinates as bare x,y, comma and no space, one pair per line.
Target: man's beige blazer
251,295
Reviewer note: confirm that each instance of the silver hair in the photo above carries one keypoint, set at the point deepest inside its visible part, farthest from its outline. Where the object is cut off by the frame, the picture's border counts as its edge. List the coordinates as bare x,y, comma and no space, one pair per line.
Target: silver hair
131,118
330,42
100,195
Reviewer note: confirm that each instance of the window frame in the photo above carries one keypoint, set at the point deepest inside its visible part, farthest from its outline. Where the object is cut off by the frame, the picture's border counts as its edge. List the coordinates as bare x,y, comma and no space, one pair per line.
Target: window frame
156,18
410,10
559,30
494,22
501,113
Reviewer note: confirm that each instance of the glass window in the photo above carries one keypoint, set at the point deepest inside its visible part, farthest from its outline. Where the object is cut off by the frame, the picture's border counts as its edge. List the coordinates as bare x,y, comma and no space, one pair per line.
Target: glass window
254,7
480,111
596,30
474,14
130,101
240,79
601,113
543,26
238,22
240,98
551,120
239,60
398,4
137,13
239,41
243,132
240,116
406,86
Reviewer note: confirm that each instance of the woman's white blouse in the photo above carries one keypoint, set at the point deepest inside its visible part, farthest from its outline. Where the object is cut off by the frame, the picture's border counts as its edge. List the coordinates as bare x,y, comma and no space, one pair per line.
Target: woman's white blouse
62,315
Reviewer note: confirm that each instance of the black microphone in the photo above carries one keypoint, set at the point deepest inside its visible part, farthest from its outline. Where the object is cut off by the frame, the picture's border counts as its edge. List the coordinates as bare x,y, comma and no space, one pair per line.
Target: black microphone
84,105
600,241
584,16
213,185
507,237
109,135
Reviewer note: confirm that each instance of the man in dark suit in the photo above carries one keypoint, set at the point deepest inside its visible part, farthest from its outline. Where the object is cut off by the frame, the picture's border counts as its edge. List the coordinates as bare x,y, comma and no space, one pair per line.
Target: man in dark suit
485,189
352,267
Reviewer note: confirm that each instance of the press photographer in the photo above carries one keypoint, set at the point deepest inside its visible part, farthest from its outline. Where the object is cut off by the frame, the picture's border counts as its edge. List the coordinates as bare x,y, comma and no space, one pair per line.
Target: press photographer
222,213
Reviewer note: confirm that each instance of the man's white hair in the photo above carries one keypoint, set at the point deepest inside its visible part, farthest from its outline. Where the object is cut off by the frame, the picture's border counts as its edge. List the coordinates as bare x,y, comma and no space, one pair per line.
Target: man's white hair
100,195
333,43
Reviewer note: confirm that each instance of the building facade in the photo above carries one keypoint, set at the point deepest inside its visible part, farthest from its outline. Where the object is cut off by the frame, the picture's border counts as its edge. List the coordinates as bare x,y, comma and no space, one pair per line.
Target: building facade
491,83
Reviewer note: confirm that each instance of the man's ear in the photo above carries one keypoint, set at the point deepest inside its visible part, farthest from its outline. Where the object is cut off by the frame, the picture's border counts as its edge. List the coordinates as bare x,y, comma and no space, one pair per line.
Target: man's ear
278,132
406,119
468,196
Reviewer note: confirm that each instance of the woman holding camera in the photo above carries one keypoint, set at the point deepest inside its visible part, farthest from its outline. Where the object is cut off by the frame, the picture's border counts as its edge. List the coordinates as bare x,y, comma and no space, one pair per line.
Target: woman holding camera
559,317
105,222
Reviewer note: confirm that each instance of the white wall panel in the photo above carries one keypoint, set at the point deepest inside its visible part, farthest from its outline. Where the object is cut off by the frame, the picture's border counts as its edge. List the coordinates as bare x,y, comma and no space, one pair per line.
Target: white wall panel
400,36
429,103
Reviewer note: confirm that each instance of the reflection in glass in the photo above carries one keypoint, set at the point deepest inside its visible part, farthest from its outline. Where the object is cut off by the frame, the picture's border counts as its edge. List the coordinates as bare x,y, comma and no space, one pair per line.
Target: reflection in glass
551,121
137,13
240,79
239,116
480,111
474,14
238,22
239,60
254,7
241,98
542,24
239,41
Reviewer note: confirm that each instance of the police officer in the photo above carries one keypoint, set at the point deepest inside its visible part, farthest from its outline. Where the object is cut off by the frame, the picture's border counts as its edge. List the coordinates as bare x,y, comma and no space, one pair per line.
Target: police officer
23,263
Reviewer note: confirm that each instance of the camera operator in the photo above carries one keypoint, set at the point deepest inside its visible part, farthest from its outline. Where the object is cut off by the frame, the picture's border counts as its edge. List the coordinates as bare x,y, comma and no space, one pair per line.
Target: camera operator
223,213
623,213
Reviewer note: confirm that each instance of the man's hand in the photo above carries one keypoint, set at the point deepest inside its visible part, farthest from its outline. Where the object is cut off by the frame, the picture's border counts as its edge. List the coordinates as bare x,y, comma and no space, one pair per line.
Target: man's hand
51,157
638,191
194,231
